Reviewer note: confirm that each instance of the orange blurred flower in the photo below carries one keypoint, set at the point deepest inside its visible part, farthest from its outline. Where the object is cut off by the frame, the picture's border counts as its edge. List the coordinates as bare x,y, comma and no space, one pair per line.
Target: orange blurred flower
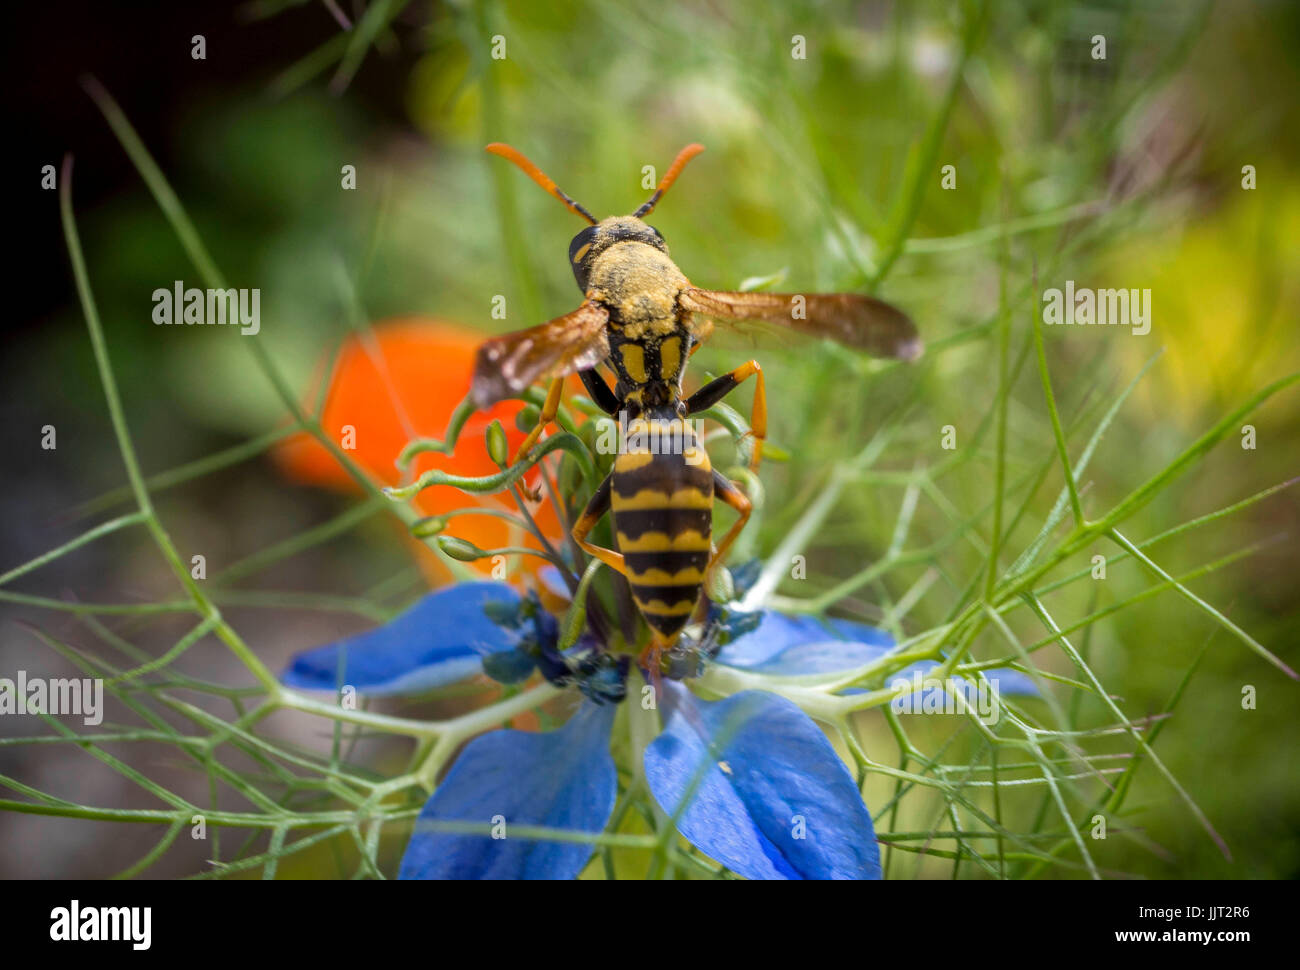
402,381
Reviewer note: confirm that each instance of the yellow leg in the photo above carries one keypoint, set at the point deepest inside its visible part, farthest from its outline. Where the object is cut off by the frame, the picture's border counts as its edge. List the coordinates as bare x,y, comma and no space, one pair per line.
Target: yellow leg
758,416
714,391
728,492
593,513
550,407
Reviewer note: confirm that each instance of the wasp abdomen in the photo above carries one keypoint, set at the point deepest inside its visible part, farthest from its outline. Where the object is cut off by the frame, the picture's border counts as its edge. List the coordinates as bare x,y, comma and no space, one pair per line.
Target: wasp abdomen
662,498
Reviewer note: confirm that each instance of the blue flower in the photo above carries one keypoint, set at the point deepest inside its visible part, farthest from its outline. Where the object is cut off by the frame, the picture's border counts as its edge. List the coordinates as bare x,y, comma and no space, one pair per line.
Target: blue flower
561,779
447,636
751,781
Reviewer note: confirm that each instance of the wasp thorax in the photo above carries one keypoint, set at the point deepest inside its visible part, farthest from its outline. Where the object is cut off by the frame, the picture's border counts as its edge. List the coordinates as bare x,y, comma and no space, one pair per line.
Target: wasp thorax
595,240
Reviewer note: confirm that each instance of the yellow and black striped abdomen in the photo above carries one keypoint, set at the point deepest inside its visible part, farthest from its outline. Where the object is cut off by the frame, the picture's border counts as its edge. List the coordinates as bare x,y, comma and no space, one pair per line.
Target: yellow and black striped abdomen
662,500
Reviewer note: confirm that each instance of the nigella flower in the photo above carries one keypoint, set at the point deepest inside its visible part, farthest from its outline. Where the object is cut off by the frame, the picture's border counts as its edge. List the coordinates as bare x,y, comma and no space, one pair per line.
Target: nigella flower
750,780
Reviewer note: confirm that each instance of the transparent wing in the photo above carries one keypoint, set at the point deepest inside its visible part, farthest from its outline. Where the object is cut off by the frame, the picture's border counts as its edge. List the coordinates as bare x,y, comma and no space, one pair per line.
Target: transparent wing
857,321
506,365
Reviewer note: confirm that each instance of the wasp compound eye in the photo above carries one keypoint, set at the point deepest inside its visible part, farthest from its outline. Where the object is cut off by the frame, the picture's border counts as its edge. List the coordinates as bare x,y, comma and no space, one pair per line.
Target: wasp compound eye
580,255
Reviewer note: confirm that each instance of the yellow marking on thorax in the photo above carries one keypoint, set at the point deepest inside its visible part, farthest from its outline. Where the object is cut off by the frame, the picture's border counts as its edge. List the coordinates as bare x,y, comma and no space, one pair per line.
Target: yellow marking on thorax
670,358
688,497
689,541
633,358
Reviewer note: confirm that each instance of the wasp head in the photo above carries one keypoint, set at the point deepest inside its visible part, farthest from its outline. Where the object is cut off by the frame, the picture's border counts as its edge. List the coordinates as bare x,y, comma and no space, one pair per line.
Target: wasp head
588,245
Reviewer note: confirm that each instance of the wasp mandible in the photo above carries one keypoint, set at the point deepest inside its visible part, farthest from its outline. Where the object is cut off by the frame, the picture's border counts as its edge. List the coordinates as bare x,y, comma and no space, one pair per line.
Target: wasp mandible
639,317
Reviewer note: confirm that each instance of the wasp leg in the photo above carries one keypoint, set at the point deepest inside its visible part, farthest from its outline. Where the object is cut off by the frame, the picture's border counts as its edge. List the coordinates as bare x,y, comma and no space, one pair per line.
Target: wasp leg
592,514
714,391
651,658
550,407
730,493
599,391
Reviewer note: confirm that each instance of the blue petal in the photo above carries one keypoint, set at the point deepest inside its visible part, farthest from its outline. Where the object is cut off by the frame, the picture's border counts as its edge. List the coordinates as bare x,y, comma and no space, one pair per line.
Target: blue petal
827,656
562,779
1006,680
1010,681
551,578
1003,680
792,645
773,801
441,639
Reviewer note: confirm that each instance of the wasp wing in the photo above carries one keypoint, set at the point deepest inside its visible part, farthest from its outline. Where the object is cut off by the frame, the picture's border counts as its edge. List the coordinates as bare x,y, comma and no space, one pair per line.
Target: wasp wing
861,322
506,365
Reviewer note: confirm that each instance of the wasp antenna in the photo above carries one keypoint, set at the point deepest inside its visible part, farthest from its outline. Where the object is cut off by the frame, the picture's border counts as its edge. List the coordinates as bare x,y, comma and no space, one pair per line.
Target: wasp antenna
674,170
540,177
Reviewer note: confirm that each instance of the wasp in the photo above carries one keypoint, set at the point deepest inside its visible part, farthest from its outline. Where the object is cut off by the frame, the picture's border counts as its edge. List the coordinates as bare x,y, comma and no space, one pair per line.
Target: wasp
643,318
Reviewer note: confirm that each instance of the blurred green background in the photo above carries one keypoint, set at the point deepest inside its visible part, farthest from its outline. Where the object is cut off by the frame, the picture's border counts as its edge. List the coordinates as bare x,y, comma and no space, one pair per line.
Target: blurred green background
823,171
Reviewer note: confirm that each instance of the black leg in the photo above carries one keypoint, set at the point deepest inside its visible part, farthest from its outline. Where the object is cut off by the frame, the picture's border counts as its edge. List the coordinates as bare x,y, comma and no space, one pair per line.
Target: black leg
718,388
599,391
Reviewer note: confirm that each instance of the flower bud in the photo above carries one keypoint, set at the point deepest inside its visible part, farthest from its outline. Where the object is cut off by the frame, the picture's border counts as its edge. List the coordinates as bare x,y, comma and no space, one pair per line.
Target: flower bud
460,549
497,448
719,585
527,417
429,526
